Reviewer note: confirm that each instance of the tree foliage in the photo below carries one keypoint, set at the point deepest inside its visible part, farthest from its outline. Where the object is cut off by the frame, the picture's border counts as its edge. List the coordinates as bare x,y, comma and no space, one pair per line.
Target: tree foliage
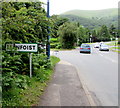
22,22
57,22
82,35
104,34
67,33
25,22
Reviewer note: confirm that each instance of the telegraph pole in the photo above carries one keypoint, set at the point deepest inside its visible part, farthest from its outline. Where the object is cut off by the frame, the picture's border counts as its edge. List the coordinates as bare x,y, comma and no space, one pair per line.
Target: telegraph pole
48,38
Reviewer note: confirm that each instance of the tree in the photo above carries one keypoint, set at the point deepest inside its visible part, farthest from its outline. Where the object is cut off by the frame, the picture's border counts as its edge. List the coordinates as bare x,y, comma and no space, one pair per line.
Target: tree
113,31
57,21
104,34
67,34
24,21
82,35
94,36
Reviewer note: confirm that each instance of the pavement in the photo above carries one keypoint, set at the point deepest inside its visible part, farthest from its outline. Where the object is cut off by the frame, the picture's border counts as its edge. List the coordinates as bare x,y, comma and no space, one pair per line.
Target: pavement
65,88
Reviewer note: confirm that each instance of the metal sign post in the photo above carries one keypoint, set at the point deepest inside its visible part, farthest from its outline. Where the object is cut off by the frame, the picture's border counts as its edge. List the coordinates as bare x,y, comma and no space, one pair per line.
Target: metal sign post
48,37
30,60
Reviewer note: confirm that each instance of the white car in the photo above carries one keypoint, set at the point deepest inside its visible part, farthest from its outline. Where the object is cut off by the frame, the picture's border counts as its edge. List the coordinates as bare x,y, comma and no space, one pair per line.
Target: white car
104,47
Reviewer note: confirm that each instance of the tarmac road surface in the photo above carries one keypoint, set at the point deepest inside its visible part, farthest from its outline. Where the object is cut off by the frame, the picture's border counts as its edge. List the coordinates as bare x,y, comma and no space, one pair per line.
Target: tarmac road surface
98,70
65,88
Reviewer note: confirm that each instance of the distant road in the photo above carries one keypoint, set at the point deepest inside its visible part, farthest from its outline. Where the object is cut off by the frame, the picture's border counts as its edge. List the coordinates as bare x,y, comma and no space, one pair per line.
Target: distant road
99,70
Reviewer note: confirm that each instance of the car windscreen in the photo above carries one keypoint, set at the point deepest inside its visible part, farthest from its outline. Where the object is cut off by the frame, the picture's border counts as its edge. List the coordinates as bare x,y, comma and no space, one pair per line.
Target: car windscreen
104,45
85,46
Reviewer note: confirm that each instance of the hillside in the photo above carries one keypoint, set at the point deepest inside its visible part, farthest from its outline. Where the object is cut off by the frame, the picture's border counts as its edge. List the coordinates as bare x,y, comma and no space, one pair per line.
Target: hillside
93,18
93,13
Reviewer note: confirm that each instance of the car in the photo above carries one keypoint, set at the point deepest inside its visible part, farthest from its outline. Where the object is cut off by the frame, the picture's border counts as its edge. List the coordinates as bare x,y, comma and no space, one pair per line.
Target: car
96,45
85,48
104,47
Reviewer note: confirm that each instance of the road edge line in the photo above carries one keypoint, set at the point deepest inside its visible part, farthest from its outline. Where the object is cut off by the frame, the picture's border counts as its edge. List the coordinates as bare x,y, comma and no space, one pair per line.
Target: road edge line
88,94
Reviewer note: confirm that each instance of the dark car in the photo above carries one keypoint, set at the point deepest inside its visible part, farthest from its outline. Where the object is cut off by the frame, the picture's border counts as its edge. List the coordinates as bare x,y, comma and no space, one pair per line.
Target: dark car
96,45
85,48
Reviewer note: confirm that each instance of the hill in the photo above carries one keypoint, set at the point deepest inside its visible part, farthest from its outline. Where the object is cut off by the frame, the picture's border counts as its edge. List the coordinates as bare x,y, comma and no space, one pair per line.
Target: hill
93,18
93,13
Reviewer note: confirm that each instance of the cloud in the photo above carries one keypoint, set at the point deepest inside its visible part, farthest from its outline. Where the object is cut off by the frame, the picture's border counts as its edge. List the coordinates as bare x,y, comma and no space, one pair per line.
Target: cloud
60,6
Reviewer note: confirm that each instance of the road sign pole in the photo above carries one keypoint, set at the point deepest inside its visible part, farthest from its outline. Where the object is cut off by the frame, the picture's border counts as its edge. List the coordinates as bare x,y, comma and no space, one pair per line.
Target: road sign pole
48,38
30,60
48,10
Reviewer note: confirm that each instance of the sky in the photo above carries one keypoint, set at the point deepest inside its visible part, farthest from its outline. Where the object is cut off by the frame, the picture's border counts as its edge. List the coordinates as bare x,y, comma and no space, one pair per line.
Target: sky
60,6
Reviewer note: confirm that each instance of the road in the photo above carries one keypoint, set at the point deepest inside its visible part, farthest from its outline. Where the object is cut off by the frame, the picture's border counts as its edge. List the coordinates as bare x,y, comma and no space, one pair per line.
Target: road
98,71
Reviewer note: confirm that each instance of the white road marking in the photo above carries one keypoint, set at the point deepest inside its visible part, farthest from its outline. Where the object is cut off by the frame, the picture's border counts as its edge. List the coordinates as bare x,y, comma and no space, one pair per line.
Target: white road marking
100,53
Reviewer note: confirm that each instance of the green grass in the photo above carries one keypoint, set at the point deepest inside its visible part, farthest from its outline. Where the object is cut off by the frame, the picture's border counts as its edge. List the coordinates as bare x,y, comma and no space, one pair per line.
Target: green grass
54,60
112,43
31,95
89,43
113,49
26,97
116,51
116,47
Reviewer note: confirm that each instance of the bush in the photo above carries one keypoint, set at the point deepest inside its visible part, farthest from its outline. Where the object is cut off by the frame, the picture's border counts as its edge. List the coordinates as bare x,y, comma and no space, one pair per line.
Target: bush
53,45
13,67
40,65
68,36
58,46
53,40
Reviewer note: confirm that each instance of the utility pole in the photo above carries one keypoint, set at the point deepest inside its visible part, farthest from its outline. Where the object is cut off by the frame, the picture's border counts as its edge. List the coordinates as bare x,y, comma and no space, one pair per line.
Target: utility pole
90,37
48,37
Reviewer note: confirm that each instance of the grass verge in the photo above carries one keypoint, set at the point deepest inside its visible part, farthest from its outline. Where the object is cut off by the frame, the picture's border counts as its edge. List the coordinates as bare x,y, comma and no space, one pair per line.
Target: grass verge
30,96
116,47
115,50
112,43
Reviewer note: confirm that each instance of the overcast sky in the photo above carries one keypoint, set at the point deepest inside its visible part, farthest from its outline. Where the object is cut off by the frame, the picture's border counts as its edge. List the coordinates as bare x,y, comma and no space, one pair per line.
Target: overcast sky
60,6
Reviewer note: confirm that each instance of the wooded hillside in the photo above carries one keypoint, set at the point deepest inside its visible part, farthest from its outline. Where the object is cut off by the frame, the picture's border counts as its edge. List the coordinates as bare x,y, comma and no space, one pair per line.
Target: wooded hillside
93,19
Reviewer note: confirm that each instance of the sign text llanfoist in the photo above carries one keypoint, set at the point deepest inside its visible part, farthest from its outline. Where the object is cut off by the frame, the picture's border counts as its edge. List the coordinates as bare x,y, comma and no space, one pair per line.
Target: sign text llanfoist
23,47
27,47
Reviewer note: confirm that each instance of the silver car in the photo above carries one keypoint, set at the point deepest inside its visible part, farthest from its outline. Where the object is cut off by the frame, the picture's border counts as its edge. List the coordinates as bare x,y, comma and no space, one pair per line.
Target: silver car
104,47
85,48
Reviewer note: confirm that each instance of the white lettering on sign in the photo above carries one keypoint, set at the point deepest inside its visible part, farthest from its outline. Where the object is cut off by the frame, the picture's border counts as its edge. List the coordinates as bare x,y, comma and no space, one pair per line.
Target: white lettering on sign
27,47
